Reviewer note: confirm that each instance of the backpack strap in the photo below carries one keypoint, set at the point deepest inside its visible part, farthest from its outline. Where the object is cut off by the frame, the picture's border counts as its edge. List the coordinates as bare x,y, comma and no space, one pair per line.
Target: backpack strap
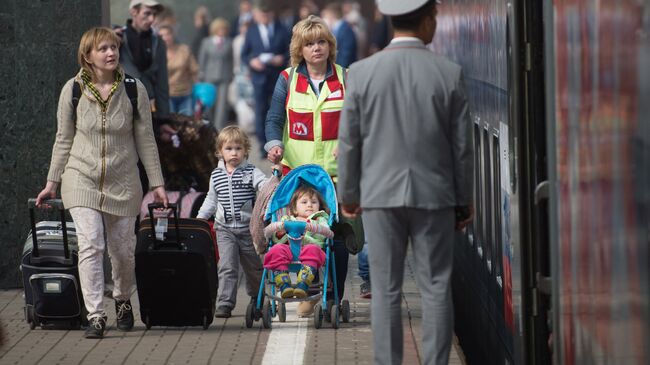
132,92
76,94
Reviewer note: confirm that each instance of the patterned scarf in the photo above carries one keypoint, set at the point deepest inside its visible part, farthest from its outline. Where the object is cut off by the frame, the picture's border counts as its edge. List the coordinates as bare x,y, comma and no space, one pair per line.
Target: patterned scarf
85,76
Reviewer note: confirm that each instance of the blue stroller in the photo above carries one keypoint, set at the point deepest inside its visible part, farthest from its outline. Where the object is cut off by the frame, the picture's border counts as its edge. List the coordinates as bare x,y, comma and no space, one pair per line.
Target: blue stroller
269,302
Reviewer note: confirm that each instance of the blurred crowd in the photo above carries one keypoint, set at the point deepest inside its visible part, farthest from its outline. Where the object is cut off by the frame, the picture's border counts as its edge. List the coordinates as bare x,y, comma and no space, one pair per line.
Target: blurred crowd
221,51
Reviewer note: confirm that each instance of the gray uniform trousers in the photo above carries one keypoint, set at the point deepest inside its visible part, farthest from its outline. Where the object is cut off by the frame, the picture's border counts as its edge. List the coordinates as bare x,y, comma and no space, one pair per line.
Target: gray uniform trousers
235,246
432,236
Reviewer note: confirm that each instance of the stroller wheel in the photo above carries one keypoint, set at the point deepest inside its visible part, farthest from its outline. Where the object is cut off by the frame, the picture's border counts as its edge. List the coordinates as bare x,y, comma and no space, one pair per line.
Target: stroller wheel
282,312
334,316
345,310
266,313
250,310
318,316
330,303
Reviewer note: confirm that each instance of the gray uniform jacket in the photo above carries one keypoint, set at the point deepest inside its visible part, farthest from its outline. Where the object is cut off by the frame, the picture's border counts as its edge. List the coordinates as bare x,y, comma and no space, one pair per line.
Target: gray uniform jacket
155,78
405,136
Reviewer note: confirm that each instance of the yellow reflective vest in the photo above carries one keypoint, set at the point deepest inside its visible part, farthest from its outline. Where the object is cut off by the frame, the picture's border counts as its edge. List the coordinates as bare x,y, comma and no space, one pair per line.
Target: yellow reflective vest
312,125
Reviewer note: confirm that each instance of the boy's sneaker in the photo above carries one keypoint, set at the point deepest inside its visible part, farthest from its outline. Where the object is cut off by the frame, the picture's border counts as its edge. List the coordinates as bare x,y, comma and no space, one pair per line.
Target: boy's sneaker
124,313
96,326
364,290
222,312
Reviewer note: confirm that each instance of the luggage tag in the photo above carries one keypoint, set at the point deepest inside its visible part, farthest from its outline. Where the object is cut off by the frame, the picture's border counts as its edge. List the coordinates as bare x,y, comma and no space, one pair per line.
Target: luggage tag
161,228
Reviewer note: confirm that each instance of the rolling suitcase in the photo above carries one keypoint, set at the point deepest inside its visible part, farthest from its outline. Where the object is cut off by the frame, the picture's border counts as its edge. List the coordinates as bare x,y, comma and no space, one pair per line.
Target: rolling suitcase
49,270
176,271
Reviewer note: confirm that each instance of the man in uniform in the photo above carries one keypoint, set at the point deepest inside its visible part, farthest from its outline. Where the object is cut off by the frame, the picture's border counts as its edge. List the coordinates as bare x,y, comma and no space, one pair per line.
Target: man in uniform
406,159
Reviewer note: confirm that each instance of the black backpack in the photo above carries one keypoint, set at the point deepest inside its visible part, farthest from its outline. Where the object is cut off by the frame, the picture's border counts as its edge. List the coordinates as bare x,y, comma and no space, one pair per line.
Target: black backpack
131,91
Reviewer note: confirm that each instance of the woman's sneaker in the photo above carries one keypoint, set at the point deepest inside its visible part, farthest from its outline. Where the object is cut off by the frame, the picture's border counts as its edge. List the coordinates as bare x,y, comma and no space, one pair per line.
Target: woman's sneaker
96,326
124,312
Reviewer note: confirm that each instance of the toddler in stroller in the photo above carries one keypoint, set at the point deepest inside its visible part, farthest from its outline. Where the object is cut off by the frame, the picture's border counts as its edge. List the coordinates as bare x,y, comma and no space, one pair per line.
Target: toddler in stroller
300,240
305,205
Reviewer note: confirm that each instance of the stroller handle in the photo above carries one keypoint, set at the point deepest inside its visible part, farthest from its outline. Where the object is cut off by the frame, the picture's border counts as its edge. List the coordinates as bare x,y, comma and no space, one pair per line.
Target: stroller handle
300,227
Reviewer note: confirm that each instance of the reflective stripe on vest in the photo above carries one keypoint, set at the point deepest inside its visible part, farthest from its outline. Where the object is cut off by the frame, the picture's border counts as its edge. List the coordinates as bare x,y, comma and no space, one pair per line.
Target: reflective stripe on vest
312,124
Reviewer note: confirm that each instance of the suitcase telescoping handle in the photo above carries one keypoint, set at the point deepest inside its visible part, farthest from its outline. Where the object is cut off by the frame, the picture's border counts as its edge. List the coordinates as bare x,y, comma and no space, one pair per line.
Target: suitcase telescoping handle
48,203
174,208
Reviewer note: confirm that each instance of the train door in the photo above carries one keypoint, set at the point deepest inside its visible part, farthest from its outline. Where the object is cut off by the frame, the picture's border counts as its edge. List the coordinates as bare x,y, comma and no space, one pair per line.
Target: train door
532,167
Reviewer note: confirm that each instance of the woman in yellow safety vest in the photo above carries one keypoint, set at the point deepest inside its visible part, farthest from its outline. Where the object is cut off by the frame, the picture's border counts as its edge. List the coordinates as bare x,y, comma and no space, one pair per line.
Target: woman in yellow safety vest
302,123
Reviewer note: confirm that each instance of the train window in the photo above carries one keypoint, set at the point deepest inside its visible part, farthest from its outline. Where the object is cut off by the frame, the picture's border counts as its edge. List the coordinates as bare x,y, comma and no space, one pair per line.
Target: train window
497,260
488,201
476,226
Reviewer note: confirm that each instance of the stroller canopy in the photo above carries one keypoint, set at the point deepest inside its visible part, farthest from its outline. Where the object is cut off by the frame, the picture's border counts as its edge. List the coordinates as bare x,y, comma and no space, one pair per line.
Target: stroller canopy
312,175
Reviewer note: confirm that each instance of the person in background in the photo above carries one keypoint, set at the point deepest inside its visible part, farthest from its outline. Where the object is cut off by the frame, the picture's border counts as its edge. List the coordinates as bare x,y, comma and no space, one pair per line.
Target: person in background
165,17
233,186
265,51
215,62
183,72
103,202
346,40
418,196
381,32
245,15
352,14
240,93
143,54
201,28
307,8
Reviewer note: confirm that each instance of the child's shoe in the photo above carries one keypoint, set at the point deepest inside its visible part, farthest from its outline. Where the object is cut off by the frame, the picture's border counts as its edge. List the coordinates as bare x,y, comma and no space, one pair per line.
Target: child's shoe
305,277
283,281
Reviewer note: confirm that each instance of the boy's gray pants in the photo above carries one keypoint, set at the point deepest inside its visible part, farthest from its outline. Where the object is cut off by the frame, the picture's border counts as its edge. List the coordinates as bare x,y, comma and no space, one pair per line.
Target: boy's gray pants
235,246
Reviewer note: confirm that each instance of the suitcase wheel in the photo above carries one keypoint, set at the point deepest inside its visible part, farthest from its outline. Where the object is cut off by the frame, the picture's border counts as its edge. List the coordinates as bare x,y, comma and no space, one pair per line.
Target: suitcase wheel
205,322
147,322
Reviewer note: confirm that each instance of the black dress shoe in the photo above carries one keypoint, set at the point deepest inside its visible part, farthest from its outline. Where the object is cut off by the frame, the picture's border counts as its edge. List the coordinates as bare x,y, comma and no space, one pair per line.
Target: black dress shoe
124,312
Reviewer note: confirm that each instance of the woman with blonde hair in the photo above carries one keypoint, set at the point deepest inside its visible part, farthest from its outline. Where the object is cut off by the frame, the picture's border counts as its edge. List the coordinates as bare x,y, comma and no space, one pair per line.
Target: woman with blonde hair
95,160
302,123
216,66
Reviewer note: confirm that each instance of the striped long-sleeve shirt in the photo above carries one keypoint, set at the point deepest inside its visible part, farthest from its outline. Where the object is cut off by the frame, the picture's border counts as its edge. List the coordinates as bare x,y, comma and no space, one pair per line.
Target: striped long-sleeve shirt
231,196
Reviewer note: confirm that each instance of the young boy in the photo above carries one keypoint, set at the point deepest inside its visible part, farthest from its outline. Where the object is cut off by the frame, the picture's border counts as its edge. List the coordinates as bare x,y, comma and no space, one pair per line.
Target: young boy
233,186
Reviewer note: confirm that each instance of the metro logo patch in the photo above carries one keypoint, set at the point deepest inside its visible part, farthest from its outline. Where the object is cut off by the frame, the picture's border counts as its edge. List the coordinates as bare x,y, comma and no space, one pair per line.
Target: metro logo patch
301,126
299,129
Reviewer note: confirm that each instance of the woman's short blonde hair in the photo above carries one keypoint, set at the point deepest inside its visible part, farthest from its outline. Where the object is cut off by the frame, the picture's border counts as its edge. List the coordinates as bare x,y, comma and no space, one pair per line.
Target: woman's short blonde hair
307,30
90,40
219,23
232,134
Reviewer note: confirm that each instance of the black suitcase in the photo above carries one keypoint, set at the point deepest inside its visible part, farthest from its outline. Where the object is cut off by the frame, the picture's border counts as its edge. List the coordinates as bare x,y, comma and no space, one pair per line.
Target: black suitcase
176,276
50,275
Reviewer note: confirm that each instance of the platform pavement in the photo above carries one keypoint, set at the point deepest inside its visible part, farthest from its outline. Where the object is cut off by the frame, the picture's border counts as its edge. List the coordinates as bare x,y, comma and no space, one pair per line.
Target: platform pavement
227,341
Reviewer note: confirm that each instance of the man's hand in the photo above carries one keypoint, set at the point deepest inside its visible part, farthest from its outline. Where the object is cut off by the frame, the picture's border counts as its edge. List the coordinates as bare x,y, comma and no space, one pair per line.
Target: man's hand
257,65
275,154
277,60
460,225
351,210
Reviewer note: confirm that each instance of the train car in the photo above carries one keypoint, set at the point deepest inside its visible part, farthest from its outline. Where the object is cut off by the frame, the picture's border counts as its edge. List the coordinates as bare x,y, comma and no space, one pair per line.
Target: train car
555,267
